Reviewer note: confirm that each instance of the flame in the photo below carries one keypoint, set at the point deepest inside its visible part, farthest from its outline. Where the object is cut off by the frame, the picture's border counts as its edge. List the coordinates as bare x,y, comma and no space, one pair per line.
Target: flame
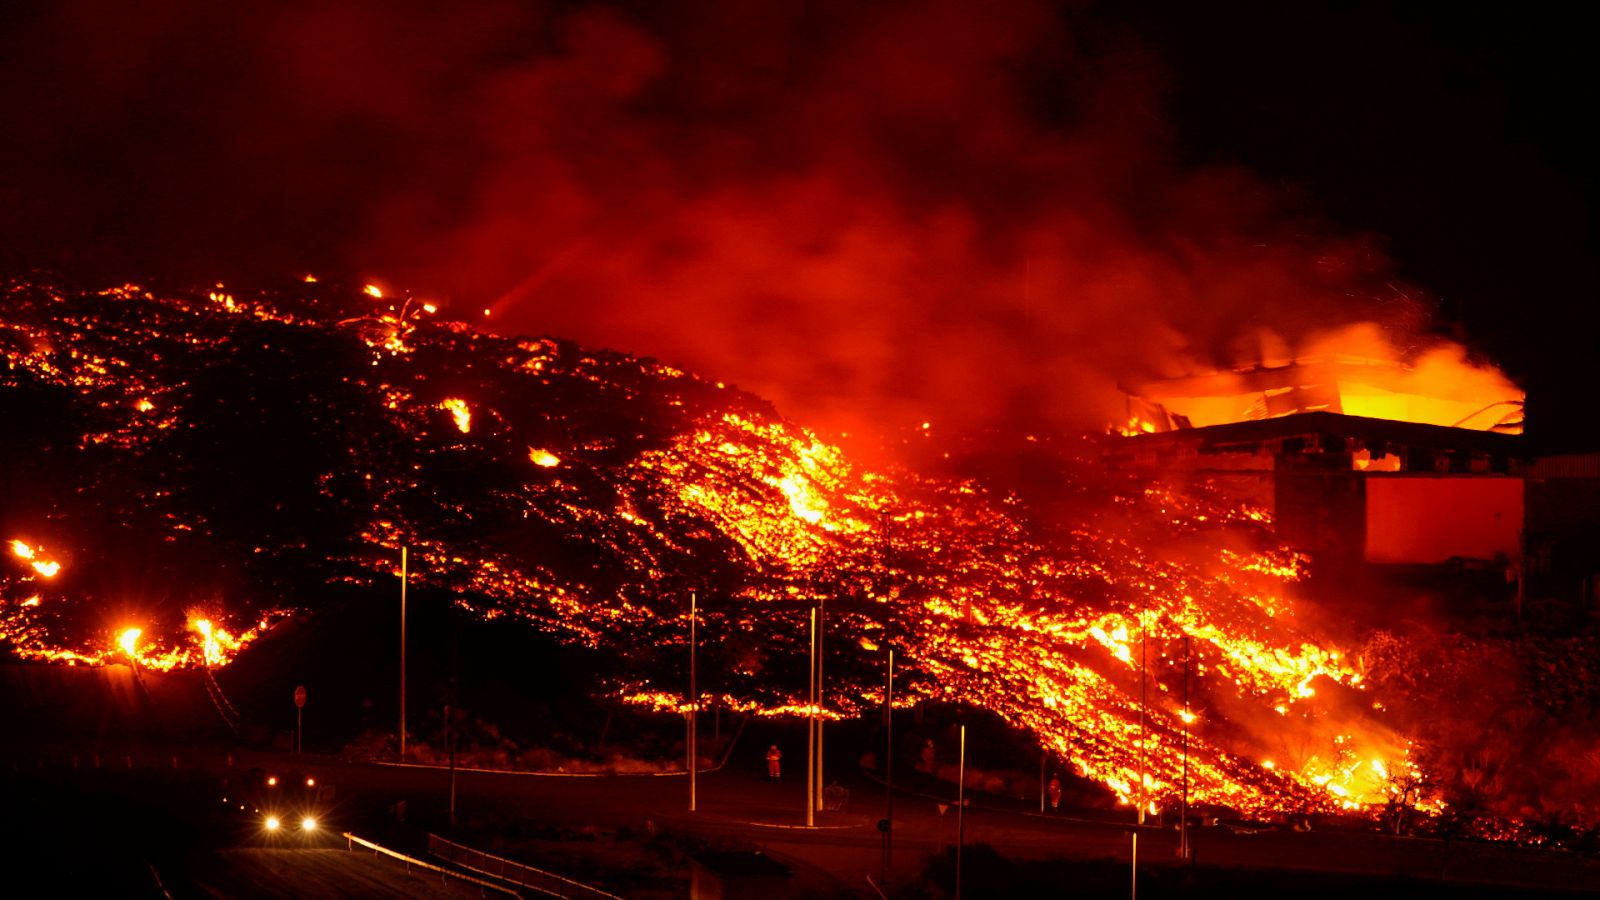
1356,371
211,648
128,640
543,458
1135,425
46,568
460,411
374,291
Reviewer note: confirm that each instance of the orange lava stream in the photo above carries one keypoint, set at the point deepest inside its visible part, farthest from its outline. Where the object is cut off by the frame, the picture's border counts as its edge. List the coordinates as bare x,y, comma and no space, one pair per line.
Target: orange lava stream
1151,639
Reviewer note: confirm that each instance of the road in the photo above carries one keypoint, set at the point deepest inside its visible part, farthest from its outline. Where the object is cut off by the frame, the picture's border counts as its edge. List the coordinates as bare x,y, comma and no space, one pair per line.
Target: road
291,874
736,806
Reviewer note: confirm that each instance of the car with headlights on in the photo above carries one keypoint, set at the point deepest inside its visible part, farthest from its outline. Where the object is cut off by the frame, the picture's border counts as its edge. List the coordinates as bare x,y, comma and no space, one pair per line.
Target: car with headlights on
278,805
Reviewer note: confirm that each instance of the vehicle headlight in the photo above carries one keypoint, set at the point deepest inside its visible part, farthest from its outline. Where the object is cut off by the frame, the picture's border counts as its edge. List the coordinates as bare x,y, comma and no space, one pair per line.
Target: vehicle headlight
308,824
272,823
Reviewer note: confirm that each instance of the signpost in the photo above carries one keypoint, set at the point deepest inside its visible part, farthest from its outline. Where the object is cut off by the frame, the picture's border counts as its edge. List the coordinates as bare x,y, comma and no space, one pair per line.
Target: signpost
299,710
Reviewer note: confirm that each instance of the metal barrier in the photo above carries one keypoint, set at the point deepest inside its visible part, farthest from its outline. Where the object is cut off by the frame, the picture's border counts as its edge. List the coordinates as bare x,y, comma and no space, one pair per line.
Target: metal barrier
514,872
409,861
225,709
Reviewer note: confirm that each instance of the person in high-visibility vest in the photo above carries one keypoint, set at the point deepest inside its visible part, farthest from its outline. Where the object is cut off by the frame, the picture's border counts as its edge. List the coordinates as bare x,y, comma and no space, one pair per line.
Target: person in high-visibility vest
774,758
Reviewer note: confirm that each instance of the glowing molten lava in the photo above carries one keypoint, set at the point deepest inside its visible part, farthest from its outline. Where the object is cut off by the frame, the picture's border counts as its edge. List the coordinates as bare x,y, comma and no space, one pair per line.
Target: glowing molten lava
459,411
1150,639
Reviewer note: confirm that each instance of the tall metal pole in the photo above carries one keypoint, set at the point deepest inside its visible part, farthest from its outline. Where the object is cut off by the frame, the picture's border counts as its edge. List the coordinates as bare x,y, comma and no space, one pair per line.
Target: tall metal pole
403,580
811,729
694,702
961,807
1134,887
1133,891
888,773
1183,822
822,618
450,735
1042,758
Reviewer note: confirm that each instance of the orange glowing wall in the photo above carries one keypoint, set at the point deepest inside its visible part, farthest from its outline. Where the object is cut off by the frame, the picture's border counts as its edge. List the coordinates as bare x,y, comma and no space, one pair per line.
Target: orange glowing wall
1431,519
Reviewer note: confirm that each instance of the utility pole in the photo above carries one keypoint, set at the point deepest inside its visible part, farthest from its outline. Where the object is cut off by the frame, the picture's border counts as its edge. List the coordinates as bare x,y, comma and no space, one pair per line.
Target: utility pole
450,736
961,807
821,626
403,580
811,729
1143,643
694,701
1184,851
888,772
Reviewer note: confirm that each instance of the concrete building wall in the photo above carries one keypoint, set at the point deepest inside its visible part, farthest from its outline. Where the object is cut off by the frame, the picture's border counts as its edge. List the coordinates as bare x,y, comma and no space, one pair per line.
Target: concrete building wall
1421,519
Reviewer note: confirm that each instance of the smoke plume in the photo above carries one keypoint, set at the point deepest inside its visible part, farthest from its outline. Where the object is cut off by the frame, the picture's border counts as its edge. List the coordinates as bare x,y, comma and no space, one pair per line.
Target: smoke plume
872,214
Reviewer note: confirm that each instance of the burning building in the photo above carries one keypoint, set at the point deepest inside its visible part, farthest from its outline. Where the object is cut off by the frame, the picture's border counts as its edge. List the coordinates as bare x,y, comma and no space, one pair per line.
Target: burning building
1359,460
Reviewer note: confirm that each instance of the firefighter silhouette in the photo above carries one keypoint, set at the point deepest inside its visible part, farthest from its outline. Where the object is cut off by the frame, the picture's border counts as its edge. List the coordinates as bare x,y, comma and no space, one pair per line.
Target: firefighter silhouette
774,762
1055,792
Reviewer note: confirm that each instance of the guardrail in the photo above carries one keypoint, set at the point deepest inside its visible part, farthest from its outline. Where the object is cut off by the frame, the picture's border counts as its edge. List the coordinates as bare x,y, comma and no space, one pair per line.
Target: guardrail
514,872
225,709
443,872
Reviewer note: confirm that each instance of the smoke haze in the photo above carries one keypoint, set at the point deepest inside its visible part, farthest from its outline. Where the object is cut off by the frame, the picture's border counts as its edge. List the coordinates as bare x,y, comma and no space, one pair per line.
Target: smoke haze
873,215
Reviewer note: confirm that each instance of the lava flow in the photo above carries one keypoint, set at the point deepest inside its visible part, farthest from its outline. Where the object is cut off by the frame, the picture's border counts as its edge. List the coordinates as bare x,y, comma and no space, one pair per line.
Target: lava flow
200,463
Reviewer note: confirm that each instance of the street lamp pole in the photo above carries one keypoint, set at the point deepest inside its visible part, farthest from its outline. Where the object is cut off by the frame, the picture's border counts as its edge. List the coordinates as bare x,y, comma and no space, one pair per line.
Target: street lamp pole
1183,821
888,772
1143,643
403,580
811,729
961,807
694,700
450,736
822,620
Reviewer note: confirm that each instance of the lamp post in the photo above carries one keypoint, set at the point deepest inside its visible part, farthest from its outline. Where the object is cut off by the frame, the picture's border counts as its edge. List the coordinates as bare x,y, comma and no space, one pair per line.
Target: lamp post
1143,643
888,771
961,807
450,737
822,617
403,580
1184,850
694,700
811,729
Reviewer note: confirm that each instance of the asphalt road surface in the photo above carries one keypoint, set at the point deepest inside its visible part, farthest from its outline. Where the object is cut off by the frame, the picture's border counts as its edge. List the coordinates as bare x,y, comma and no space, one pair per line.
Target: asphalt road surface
289,874
148,822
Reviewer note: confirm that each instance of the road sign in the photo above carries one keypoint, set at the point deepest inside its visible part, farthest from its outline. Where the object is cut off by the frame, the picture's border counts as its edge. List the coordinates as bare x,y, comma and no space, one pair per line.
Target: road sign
300,696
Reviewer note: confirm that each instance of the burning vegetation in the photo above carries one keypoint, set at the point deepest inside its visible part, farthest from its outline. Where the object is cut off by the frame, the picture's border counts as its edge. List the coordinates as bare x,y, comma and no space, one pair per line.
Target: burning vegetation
188,466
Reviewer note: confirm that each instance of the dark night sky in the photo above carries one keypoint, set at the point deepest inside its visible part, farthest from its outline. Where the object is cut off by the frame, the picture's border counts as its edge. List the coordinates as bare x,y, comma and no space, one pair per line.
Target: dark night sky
871,207
1462,134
